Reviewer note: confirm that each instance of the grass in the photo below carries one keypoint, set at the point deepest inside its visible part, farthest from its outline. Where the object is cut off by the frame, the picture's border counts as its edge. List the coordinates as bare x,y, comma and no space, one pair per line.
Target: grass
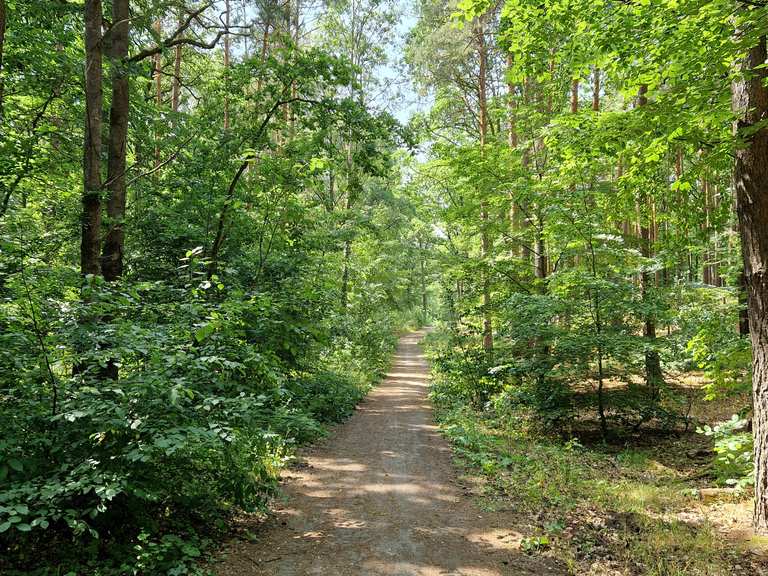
624,510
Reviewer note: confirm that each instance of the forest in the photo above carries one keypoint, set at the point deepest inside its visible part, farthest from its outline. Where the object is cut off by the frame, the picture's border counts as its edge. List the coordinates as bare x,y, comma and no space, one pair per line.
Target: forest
225,224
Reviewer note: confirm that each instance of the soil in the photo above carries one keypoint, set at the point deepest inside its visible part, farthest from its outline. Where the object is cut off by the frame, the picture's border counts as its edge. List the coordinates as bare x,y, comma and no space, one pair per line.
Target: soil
382,497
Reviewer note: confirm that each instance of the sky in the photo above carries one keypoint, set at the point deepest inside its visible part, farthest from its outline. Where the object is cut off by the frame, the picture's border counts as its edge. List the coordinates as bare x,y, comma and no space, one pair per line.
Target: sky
399,97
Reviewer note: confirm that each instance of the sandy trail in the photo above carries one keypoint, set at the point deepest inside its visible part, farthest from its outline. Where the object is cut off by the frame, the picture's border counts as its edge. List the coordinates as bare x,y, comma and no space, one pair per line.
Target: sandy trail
380,497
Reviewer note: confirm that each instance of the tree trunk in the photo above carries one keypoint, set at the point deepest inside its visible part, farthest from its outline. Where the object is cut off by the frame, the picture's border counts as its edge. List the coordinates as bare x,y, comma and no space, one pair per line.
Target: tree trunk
540,250
511,106
596,90
653,374
743,305
158,65
485,246
2,45
422,248
90,242
512,141
227,47
345,275
112,254
176,85
750,103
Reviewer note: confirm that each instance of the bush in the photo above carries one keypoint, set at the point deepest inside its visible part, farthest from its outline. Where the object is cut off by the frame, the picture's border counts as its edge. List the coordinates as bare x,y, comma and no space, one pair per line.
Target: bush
215,391
734,445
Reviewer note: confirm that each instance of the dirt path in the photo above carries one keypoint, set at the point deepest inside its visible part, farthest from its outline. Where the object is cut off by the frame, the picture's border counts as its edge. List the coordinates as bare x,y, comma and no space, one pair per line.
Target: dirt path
380,497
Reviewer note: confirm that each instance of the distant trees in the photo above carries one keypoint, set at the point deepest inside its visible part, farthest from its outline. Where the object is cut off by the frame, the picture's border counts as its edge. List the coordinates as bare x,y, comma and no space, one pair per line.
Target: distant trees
625,205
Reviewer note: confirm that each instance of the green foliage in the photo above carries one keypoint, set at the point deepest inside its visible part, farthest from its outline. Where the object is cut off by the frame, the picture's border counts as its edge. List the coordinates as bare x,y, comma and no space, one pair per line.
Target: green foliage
724,355
734,447
227,358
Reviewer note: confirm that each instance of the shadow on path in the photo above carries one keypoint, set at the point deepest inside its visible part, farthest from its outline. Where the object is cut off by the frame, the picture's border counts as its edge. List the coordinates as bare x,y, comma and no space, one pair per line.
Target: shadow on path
380,498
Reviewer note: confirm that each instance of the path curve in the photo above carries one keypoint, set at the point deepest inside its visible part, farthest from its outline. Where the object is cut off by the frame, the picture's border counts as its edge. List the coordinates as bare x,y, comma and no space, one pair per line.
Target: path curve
380,497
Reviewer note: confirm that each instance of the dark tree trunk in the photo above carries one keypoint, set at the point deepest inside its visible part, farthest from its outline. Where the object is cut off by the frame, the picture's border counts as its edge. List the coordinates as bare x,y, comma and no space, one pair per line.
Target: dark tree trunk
112,254
540,254
743,305
90,243
750,102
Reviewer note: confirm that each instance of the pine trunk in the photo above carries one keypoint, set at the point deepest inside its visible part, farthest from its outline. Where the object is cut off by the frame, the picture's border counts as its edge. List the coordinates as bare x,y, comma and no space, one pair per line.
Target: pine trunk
750,102
90,240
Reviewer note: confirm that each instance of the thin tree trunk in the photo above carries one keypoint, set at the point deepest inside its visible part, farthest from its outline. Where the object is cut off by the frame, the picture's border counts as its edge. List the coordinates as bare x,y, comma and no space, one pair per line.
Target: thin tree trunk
750,103
653,374
485,247
596,90
345,275
227,47
90,241
512,139
158,61
512,108
423,288
176,84
2,45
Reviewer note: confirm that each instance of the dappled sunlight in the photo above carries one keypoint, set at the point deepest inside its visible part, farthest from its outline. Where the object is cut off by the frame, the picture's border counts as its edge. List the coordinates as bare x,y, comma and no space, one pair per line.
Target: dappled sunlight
400,568
380,497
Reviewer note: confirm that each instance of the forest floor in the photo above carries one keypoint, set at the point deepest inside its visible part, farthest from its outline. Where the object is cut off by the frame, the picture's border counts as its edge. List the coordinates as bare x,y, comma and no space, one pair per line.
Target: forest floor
381,497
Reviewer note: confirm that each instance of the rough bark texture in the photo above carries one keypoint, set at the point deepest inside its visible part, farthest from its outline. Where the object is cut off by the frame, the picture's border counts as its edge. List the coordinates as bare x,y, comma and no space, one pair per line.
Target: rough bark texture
91,217
112,254
750,102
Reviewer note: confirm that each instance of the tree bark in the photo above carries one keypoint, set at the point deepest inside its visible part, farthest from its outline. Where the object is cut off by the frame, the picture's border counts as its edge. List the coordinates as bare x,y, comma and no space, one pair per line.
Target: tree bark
112,253
90,242
158,65
750,103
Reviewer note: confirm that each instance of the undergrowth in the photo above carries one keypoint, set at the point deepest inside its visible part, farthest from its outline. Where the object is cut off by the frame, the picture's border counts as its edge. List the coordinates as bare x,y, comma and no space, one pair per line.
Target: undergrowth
618,508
